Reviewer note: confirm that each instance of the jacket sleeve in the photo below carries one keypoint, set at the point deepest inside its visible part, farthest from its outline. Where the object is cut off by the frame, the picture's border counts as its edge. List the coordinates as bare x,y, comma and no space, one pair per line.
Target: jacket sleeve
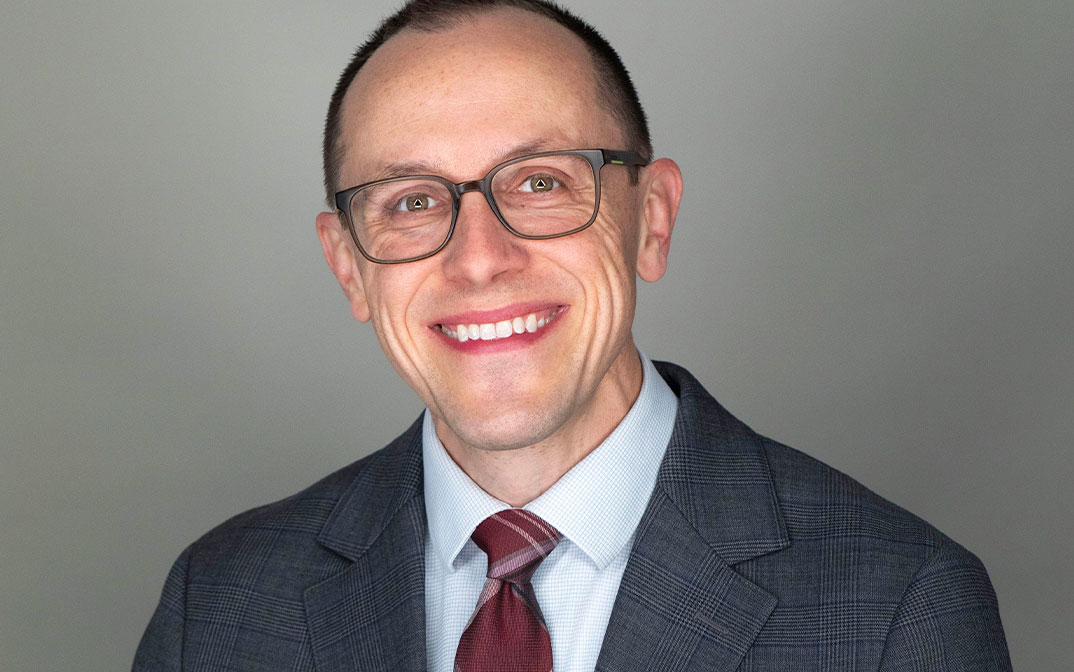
161,648
948,619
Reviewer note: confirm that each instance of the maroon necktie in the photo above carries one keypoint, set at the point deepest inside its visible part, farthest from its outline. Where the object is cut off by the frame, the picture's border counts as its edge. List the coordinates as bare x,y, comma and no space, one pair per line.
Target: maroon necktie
507,630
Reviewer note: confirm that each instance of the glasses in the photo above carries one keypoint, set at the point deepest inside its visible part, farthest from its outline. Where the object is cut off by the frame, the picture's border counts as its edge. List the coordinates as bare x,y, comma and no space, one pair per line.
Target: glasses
539,196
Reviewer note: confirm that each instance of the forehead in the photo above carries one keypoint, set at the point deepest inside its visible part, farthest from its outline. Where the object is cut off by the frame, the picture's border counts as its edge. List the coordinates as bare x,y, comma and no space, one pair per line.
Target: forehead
464,97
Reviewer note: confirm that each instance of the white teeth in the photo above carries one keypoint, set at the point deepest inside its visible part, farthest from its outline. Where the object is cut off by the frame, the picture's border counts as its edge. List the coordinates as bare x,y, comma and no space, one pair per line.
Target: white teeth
503,329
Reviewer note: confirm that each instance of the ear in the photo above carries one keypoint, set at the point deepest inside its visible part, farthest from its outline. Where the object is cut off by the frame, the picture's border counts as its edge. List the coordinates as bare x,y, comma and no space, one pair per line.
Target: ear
661,182
339,253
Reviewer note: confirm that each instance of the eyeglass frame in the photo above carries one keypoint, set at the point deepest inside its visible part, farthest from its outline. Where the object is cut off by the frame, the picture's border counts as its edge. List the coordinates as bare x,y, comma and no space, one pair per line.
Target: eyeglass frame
598,158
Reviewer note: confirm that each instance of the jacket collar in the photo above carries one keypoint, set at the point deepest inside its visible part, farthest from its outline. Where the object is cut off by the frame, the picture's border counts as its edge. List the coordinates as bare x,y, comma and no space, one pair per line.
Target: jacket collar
371,615
681,605
389,482
716,473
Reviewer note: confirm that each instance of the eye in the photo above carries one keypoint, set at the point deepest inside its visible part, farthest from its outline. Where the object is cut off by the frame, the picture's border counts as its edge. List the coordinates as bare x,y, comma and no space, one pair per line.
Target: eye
416,203
540,183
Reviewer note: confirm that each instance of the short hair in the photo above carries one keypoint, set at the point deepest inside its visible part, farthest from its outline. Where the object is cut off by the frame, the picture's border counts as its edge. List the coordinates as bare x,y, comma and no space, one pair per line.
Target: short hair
615,90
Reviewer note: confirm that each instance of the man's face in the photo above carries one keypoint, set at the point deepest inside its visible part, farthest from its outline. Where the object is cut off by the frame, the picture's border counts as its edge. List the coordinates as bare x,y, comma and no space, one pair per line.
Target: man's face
455,103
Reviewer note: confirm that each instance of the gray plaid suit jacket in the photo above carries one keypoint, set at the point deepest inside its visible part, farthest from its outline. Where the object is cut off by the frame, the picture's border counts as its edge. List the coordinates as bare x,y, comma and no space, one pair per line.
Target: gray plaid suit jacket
750,556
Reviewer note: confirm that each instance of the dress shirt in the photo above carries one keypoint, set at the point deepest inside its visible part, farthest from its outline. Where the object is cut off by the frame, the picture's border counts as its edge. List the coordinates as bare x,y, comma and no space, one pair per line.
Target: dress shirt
596,506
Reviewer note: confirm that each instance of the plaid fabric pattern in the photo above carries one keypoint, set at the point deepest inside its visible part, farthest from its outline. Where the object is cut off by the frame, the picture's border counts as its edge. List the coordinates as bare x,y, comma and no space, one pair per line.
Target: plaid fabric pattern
507,630
751,557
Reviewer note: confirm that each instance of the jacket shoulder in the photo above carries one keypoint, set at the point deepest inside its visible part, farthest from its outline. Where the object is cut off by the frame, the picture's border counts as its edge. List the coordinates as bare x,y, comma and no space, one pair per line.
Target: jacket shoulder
816,501
244,582
898,580
821,502
288,529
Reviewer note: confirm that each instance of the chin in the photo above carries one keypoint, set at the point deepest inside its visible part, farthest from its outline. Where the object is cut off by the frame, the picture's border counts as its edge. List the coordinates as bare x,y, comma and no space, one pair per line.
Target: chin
504,430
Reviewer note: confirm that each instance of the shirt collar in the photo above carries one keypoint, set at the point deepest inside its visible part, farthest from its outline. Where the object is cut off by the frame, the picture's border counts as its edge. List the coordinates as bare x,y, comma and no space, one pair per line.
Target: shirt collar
596,505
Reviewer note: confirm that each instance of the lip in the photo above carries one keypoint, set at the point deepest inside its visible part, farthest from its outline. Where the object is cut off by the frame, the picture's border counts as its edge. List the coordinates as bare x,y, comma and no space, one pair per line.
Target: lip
496,315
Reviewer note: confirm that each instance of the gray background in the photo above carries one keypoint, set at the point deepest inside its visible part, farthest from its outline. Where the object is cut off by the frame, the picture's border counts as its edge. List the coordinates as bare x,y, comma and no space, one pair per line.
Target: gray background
872,263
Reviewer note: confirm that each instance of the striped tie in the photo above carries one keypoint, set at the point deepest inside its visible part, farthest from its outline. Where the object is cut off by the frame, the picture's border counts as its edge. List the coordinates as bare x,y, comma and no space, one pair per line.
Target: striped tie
507,630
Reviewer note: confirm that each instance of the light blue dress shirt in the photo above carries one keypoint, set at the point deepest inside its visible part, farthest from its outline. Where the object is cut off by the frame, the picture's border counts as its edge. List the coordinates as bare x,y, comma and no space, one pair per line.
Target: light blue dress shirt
596,506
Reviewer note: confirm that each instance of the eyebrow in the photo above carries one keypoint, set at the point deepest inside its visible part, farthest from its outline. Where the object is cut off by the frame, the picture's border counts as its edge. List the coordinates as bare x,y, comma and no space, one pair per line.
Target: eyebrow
407,168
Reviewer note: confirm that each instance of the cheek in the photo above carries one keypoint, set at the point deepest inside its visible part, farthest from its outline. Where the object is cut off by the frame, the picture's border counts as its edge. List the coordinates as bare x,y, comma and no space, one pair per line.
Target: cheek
604,267
616,248
391,291
617,223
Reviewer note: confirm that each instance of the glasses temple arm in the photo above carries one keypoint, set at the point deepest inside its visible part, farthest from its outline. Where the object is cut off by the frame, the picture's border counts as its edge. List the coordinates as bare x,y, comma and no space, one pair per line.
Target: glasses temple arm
623,157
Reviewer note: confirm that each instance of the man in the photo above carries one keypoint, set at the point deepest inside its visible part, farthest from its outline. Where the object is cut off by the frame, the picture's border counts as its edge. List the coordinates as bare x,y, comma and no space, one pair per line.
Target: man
563,502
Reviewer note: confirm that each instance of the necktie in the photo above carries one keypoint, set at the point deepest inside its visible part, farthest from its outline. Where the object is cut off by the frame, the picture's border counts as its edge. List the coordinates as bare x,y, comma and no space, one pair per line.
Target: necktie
507,630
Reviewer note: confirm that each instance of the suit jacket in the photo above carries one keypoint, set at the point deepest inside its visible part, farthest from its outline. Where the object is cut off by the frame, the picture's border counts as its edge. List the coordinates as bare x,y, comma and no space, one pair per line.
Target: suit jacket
750,556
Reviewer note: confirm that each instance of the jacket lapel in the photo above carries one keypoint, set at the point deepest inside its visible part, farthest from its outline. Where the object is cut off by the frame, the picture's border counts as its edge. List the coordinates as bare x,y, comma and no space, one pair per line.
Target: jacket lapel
681,605
371,615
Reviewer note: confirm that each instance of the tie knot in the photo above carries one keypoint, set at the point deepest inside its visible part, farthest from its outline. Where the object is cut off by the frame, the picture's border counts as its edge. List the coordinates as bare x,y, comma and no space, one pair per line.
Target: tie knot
516,541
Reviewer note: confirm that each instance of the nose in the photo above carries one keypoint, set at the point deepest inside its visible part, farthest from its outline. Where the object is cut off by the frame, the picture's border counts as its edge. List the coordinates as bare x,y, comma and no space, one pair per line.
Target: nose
481,248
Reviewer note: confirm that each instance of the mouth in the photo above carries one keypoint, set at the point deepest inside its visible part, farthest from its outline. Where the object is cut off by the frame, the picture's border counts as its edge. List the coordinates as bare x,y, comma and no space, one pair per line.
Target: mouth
517,325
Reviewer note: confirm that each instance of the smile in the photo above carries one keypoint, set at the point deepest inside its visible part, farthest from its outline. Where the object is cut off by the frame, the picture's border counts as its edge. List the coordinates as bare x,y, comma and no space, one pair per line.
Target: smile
491,331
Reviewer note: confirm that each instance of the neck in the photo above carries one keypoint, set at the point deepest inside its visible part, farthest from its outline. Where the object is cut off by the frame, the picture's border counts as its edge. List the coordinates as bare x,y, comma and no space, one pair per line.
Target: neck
517,476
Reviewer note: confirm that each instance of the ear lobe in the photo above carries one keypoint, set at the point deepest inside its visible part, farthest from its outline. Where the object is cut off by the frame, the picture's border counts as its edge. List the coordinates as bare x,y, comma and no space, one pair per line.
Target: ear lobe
662,183
336,244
